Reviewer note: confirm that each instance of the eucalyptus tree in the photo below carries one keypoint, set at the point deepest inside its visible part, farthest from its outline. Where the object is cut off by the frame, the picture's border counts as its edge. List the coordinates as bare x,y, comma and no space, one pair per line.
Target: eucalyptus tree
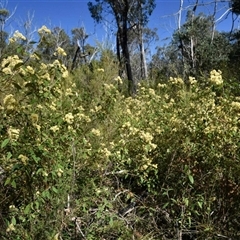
127,15
49,42
197,48
5,15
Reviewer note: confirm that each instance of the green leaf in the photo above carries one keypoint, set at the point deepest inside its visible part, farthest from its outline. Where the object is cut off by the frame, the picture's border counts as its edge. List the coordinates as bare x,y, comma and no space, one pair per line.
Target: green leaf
186,201
5,142
200,204
7,181
13,221
190,177
9,155
55,189
27,209
13,183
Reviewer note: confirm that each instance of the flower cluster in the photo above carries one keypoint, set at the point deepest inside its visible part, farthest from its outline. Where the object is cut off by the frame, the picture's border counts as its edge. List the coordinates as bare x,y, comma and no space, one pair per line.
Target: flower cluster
96,132
24,159
44,30
9,102
69,118
100,70
9,63
16,37
54,128
176,81
118,80
216,77
60,52
13,133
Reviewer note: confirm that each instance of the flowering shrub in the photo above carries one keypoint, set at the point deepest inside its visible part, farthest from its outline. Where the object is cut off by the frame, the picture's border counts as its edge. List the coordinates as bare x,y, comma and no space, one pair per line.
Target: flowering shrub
75,152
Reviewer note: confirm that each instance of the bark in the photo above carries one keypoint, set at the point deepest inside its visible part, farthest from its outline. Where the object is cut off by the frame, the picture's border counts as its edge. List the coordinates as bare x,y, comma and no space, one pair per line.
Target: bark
144,70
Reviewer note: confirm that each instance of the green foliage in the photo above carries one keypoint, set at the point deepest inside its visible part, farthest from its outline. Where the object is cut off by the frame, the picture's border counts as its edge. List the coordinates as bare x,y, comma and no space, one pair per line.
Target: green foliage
79,159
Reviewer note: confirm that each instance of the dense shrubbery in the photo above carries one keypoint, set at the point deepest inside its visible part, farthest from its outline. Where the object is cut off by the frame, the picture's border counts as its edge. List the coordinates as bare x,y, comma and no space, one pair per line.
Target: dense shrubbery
75,151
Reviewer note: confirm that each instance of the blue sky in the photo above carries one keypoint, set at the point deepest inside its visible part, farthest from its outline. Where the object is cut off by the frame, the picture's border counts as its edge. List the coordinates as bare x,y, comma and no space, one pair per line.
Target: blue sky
74,13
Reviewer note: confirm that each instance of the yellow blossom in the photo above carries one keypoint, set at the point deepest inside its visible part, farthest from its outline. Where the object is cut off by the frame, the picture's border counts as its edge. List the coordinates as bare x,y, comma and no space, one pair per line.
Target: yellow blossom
11,61
34,118
236,105
176,81
23,158
53,106
161,85
59,172
60,52
106,152
151,91
43,66
18,35
9,102
34,56
65,74
7,71
69,118
118,80
192,80
10,228
44,30
13,133
216,77
100,70
39,106
54,128
46,76
96,132
30,70
37,126
146,136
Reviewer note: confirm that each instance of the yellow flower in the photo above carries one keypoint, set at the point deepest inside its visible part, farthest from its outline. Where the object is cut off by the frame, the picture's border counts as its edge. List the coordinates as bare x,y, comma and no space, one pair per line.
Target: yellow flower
161,85
69,118
192,80
176,81
34,118
9,102
43,66
65,74
46,76
53,106
59,172
37,126
11,61
44,30
96,132
151,91
7,71
30,70
236,105
13,133
100,70
118,80
106,152
54,128
19,35
146,136
60,52
34,56
10,228
23,158
216,77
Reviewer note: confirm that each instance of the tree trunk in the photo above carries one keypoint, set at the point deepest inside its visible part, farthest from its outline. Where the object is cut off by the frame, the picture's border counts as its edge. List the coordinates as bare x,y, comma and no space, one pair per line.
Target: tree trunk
126,57
144,70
